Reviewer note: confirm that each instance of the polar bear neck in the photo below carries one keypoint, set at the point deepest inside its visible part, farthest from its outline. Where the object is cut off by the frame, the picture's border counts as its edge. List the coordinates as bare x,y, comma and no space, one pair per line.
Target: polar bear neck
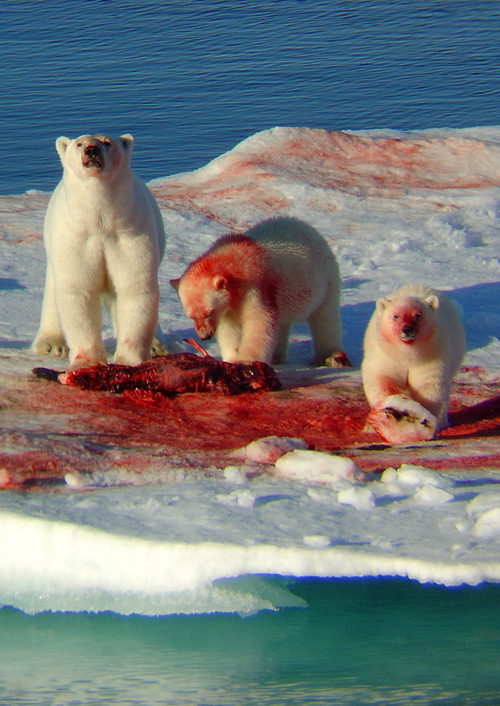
99,195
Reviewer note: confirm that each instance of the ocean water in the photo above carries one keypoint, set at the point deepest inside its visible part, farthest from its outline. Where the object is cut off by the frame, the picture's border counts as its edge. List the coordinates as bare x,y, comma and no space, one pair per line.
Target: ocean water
189,80
358,642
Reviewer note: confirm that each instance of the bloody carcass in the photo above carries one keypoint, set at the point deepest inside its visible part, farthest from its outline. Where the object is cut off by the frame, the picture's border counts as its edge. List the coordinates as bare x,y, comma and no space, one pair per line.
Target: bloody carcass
172,374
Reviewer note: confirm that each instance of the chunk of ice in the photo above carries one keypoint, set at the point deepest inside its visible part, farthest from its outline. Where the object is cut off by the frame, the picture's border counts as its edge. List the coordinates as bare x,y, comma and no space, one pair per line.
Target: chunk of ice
268,449
359,497
317,466
488,525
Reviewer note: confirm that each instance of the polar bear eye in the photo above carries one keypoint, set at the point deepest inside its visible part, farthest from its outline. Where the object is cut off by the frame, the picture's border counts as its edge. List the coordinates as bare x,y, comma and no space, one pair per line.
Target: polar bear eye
395,317
418,315
209,314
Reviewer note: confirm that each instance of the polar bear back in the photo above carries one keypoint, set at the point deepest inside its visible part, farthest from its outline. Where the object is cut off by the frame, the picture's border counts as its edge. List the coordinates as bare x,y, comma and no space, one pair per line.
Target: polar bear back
300,260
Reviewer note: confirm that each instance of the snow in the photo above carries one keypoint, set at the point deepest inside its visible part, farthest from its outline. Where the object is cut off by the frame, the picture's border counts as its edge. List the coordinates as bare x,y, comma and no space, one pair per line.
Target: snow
316,466
393,206
268,449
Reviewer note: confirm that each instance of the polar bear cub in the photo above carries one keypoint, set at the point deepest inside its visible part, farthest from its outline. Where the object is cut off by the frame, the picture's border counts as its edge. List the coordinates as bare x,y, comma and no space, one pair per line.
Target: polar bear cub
104,240
247,290
413,346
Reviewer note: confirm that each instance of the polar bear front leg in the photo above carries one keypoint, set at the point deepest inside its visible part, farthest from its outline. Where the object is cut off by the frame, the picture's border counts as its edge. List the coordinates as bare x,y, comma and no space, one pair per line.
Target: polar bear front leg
430,387
228,337
259,333
377,385
80,316
136,318
49,339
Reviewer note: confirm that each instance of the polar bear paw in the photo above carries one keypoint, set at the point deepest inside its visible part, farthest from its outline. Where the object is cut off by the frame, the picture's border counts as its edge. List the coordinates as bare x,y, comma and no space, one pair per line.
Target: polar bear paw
336,360
46,346
158,347
400,420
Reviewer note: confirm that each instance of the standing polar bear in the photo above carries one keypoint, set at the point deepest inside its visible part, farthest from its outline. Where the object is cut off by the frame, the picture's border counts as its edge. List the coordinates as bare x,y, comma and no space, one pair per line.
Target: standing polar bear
104,240
413,347
247,290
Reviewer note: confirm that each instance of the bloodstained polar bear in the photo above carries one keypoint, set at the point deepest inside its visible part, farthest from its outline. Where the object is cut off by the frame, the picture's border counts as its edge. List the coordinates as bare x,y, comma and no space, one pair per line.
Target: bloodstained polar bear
247,290
104,240
413,346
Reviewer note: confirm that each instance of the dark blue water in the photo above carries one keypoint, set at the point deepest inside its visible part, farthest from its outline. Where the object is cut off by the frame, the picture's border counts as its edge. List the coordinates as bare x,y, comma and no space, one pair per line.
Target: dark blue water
359,642
192,79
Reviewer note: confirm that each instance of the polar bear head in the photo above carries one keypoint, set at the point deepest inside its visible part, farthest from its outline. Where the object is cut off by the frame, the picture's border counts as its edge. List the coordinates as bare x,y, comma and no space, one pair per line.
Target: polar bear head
408,320
205,298
95,155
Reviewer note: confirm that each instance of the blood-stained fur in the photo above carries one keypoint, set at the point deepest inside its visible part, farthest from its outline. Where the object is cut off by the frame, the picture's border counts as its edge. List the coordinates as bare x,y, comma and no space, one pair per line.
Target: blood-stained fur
413,346
247,290
104,239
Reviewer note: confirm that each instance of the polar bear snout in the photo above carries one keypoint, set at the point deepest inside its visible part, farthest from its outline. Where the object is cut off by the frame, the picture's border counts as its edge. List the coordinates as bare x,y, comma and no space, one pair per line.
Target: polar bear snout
205,330
93,156
92,151
408,333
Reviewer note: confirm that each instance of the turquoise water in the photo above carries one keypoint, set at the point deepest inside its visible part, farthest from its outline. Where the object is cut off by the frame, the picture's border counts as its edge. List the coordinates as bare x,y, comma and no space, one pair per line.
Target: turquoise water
359,642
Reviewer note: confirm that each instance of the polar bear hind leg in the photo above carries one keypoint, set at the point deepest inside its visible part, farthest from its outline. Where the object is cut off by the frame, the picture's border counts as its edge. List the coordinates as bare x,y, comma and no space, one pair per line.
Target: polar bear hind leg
280,354
49,339
326,332
159,346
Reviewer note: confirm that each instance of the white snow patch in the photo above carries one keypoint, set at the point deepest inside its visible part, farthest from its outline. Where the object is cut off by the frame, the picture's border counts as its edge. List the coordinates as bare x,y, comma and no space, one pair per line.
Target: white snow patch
234,475
317,541
268,449
484,511
418,477
431,495
317,467
361,498
487,526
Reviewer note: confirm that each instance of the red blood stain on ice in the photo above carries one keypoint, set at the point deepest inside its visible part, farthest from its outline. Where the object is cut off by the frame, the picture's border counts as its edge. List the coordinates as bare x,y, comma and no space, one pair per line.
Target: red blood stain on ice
67,429
254,172
22,214
481,418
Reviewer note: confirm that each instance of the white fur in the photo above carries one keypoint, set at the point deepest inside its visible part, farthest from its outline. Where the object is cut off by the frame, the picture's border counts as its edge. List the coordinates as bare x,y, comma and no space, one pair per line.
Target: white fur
309,284
423,370
104,239
303,271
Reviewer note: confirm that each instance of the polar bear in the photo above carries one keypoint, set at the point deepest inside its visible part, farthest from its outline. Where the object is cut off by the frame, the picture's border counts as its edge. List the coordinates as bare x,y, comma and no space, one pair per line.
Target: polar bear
413,346
104,239
248,289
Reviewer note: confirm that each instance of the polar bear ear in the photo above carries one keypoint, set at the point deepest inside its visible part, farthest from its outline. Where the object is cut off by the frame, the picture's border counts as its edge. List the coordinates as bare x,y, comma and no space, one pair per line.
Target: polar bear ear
61,146
432,301
127,142
175,284
381,304
219,282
